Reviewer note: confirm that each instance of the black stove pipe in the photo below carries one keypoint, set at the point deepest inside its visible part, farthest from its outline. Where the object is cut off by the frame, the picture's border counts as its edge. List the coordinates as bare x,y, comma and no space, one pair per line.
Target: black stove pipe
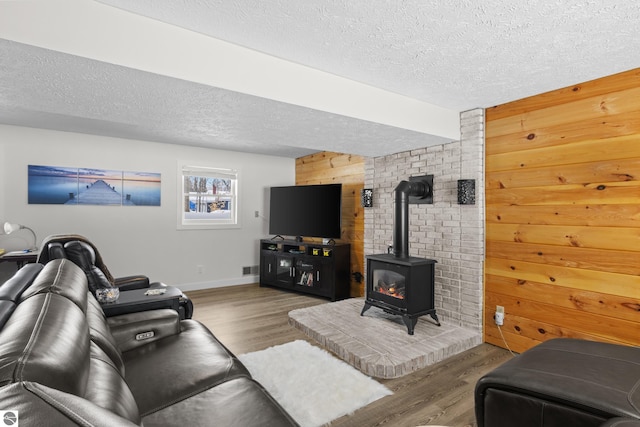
401,214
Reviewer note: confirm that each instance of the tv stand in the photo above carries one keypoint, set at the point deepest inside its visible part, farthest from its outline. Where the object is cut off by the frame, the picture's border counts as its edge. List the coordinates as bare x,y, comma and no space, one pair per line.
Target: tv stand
311,268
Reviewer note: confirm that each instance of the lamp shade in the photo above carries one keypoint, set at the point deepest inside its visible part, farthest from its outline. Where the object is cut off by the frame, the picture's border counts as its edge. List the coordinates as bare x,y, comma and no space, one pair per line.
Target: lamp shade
10,228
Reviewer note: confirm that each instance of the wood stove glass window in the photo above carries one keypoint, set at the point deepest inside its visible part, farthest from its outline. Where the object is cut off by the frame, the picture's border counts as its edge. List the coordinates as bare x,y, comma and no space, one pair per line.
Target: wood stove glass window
389,283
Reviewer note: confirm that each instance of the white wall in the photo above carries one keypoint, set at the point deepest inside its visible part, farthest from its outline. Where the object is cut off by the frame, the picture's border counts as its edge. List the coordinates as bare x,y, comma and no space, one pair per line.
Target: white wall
142,240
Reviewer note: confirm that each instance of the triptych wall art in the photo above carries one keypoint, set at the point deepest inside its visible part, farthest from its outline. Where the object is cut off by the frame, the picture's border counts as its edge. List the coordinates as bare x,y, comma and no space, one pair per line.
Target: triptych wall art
85,186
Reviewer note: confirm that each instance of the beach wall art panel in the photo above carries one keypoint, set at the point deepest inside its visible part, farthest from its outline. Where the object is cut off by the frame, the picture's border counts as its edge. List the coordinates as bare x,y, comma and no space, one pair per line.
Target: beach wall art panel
59,185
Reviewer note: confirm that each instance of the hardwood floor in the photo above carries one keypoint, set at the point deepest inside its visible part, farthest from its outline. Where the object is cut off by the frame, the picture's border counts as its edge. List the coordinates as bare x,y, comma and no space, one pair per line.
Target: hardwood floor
249,318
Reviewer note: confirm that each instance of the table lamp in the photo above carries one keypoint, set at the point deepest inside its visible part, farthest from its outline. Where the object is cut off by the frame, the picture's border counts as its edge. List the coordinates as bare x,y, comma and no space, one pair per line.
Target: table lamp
10,228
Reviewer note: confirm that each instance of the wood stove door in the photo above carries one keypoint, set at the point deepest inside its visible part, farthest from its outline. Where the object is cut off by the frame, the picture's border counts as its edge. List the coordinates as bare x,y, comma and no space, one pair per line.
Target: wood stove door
387,283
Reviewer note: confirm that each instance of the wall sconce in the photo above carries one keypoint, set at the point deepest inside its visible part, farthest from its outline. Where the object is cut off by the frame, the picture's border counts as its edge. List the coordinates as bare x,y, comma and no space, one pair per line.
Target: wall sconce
366,197
467,191
10,228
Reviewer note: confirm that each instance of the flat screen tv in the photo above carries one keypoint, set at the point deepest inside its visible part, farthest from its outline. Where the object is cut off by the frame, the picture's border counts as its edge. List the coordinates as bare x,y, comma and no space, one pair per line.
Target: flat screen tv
306,211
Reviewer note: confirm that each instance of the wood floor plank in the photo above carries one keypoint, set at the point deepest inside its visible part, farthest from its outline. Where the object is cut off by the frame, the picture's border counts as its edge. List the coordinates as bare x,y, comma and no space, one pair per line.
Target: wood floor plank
250,318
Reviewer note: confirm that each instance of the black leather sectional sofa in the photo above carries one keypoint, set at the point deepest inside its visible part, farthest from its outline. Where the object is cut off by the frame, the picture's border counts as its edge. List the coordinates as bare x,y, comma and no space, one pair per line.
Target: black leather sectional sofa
63,363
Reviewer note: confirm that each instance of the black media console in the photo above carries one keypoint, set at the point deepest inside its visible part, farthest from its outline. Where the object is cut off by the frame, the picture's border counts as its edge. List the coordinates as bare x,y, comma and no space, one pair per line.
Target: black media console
312,268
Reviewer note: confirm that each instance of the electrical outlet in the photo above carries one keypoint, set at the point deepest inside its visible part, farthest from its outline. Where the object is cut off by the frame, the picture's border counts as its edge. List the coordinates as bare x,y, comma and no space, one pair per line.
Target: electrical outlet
499,316
257,214
200,269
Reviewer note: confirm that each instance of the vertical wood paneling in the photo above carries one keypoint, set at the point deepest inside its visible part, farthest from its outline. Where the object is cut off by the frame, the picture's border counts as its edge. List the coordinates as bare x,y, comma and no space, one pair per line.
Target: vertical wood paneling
563,214
348,170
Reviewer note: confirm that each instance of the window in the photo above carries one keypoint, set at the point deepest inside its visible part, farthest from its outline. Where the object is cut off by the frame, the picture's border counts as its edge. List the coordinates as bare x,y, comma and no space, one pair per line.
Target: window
208,197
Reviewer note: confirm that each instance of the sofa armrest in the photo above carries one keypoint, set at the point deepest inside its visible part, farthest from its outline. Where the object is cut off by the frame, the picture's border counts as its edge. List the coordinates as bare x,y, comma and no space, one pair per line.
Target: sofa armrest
134,330
128,283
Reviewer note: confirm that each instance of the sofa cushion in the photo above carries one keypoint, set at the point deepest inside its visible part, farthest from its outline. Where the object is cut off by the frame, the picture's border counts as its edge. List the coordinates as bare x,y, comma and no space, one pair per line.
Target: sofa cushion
39,405
107,389
237,402
189,363
6,310
100,333
46,340
60,277
12,289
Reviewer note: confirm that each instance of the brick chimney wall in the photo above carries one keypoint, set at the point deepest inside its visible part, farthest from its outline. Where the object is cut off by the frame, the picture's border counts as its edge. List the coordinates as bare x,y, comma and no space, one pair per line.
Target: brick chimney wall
450,233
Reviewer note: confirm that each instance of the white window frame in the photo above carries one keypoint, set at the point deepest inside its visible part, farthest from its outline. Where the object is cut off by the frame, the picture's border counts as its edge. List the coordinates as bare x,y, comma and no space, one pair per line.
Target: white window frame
195,169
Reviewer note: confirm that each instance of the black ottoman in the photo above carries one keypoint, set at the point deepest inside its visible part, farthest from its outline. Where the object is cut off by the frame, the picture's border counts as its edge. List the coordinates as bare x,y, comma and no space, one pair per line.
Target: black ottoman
562,382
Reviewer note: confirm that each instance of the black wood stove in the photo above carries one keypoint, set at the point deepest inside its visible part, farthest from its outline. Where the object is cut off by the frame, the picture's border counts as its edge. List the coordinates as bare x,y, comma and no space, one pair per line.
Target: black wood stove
398,283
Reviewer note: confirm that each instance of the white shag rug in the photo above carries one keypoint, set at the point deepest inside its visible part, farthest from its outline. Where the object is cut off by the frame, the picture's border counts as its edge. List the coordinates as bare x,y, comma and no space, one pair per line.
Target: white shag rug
313,386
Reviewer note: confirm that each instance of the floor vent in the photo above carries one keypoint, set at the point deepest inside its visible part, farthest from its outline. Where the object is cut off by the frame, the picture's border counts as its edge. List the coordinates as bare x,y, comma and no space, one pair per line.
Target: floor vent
254,269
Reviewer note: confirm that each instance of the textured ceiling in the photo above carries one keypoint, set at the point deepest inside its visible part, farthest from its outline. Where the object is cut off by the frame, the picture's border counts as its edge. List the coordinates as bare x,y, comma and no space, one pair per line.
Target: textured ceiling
458,55
64,92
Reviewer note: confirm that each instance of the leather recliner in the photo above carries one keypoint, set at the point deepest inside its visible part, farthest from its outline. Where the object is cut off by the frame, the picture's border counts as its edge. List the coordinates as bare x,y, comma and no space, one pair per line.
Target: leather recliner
85,255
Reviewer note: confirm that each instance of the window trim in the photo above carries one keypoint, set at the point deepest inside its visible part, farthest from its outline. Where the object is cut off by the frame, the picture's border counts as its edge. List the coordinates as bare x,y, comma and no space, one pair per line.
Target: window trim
198,169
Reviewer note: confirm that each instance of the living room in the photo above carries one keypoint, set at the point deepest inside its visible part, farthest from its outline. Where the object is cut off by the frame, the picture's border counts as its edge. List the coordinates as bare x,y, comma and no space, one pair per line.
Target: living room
516,153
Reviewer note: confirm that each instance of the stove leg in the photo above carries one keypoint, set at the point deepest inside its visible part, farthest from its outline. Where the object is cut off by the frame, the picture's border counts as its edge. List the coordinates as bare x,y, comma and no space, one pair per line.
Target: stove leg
411,323
435,317
366,307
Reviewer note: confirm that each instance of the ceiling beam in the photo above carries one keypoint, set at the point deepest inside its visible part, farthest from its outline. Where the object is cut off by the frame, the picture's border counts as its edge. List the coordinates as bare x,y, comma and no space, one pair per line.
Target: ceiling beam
93,30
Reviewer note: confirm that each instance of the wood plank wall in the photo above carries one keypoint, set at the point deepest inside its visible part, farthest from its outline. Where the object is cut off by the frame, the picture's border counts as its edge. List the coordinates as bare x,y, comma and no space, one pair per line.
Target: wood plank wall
563,214
348,170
